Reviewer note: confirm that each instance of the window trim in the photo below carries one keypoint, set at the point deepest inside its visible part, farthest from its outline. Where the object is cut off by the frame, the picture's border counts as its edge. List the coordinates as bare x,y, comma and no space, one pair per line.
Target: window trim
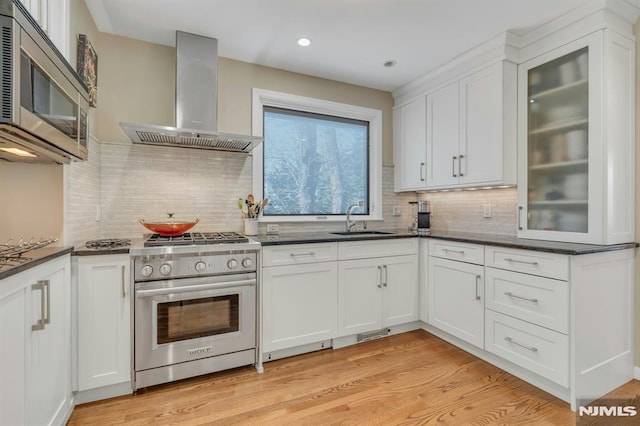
262,97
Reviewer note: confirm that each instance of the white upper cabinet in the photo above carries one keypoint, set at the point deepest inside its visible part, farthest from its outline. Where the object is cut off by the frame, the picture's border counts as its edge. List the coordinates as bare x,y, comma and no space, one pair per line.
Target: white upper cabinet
442,136
458,129
576,141
487,149
471,132
53,18
409,123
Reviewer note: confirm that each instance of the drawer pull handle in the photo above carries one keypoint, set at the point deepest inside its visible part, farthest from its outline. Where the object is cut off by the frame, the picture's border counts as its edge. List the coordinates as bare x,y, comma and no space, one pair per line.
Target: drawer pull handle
453,251
532,300
478,277
311,253
379,276
529,348
453,166
508,259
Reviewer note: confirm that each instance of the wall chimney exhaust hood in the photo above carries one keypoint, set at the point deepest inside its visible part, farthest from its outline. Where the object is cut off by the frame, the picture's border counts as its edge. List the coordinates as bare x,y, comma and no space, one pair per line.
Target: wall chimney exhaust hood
196,103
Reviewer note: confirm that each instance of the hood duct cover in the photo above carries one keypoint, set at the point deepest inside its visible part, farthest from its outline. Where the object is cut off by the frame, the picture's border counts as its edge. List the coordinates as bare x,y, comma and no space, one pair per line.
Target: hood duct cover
196,103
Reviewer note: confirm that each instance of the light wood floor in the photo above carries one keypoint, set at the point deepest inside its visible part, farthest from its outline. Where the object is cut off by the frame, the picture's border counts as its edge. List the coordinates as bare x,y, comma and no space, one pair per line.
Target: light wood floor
408,379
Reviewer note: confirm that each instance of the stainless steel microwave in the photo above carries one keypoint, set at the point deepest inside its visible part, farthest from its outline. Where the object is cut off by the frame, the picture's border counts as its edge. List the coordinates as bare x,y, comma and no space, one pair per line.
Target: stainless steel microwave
45,106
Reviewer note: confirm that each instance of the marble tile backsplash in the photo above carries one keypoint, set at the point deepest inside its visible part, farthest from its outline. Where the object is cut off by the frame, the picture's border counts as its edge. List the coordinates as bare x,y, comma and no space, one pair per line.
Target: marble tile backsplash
122,183
82,198
464,211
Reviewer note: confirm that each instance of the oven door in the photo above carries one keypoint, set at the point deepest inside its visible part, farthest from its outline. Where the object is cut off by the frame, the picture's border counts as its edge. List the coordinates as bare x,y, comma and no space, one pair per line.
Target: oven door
193,318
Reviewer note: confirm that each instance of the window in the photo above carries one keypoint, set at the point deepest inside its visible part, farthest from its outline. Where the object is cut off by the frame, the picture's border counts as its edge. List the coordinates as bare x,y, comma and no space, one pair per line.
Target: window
317,158
314,164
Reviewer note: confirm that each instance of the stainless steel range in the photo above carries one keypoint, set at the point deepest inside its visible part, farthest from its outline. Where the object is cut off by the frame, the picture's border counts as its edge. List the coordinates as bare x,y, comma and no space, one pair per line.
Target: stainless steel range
194,305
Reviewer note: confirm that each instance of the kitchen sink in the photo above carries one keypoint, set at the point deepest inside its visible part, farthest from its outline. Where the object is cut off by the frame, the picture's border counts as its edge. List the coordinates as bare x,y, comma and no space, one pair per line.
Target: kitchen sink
354,233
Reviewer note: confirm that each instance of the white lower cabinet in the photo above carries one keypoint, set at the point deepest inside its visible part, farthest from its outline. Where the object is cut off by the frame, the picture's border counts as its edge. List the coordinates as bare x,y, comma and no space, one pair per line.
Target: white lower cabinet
376,293
538,349
313,293
378,285
104,321
456,299
561,322
35,345
299,301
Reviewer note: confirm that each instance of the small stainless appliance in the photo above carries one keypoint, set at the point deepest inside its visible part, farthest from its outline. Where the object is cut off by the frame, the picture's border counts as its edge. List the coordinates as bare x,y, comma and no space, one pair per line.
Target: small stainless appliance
195,304
45,105
424,218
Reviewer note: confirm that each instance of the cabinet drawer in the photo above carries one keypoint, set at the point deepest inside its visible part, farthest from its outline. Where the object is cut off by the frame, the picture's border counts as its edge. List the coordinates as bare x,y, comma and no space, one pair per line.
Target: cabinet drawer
537,349
528,261
465,252
377,248
297,254
538,300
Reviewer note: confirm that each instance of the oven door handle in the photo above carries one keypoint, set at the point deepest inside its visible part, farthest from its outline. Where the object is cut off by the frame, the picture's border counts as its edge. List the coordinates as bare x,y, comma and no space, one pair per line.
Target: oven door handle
197,287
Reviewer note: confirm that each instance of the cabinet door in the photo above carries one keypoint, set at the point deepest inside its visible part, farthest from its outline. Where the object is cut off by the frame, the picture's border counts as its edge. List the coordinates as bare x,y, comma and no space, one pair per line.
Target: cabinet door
300,305
411,120
481,119
104,310
49,342
575,174
400,294
424,279
443,136
456,299
13,320
360,291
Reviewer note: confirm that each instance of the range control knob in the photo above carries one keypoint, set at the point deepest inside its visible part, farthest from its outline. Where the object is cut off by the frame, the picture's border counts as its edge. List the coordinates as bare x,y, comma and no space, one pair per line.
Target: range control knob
165,269
200,266
247,262
232,264
146,270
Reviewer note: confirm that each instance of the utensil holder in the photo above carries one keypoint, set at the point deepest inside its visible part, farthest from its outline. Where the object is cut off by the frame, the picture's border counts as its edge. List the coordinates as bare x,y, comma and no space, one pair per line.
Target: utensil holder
251,226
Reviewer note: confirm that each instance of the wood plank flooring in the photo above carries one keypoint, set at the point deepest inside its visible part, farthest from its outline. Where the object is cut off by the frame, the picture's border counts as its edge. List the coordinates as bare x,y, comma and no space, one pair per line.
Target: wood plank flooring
407,379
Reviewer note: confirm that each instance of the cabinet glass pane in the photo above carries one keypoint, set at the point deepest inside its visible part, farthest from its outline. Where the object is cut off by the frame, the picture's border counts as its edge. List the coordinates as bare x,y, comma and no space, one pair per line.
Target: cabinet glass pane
558,169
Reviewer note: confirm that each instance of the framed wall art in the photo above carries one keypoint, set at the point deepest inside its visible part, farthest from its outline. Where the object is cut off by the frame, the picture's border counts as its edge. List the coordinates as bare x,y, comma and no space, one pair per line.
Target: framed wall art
87,66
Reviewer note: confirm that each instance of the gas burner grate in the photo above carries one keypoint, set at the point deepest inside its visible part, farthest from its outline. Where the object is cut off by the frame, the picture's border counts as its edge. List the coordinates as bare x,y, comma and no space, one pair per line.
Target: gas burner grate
108,243
198,238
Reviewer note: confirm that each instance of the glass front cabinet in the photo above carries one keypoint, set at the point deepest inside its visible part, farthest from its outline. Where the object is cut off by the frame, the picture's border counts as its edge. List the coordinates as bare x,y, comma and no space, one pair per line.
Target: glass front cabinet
576,142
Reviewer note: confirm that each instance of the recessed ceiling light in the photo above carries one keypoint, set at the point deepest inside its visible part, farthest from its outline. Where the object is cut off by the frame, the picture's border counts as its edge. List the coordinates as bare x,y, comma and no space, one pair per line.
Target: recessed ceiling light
304,41
390,63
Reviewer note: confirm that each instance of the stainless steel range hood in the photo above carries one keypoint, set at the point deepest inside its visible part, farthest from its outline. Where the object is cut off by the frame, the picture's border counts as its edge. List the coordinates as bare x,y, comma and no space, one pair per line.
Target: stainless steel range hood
196,103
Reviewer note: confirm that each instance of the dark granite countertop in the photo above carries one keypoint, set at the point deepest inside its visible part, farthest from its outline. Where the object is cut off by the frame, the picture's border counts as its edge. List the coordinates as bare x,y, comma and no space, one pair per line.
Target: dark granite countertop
34,258
486,239
324,237
526,244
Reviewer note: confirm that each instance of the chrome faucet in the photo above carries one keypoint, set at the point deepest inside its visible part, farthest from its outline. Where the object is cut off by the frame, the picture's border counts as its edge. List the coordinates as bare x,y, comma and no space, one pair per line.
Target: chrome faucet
352,223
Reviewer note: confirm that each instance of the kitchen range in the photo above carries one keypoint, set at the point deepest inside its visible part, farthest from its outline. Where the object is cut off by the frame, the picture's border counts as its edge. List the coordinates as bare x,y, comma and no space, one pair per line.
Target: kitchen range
194,308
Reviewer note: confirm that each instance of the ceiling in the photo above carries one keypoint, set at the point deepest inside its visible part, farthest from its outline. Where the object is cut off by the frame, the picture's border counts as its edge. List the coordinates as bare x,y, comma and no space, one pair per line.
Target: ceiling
351,39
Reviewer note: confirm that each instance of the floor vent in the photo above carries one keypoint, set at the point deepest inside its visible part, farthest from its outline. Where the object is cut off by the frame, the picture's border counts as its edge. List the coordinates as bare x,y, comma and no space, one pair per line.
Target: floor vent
371,335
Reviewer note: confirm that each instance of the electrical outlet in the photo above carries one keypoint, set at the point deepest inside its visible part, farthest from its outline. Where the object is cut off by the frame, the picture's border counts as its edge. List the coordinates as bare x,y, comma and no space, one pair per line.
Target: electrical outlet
273,228
486,210
396,211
